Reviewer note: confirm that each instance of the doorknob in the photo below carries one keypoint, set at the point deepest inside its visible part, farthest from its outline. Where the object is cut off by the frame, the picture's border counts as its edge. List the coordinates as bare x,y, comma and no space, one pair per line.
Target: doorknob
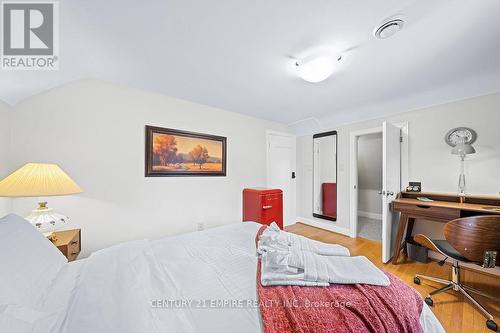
390,193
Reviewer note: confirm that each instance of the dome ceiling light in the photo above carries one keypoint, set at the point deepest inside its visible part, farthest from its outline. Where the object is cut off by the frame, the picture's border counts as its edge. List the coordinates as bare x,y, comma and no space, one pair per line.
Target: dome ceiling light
317,68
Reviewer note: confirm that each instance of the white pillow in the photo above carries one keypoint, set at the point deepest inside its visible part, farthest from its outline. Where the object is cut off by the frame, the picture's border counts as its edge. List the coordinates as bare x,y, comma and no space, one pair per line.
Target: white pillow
29,262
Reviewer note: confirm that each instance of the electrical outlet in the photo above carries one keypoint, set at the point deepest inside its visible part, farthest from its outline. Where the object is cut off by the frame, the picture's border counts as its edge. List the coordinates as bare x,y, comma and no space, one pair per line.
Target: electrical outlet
200,226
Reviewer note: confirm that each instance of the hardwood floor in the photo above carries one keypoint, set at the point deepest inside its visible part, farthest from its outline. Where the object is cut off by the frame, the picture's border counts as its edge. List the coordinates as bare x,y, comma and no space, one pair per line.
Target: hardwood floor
455,314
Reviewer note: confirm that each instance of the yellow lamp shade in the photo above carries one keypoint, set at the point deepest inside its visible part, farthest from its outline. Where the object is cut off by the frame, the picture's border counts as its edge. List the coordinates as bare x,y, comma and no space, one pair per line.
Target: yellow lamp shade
38,180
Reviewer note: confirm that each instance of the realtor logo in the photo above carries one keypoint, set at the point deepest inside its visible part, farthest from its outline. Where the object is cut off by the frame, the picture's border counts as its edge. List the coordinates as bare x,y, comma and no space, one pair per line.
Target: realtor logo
30,35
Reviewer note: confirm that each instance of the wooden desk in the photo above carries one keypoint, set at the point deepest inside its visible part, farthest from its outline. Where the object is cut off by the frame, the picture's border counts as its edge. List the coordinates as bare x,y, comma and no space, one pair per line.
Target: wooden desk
444,208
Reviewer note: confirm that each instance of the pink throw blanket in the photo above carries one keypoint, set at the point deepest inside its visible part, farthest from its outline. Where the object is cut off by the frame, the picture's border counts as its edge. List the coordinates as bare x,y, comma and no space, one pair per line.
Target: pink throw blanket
339,308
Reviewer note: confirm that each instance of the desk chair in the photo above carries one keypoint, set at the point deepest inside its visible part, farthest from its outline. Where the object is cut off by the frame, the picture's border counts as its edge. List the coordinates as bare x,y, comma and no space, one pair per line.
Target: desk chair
466,240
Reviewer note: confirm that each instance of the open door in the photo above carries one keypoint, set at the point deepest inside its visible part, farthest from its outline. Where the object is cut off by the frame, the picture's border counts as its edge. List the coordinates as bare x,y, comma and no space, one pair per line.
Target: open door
391,182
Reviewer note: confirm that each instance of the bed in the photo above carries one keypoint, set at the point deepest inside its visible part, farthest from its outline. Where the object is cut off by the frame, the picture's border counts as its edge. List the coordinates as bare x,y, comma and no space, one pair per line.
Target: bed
197,282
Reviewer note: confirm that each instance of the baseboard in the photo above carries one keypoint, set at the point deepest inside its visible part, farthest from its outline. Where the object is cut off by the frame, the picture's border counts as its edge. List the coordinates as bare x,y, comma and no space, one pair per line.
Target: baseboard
369,215
327,225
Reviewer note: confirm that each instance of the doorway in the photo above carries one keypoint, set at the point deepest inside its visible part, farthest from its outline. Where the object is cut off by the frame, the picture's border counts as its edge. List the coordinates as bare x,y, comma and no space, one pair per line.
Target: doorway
281,170
394,175
370,186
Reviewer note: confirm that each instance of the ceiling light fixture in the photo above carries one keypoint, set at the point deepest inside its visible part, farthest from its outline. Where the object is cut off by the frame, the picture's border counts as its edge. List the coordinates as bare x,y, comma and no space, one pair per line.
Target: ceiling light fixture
389,28
316,68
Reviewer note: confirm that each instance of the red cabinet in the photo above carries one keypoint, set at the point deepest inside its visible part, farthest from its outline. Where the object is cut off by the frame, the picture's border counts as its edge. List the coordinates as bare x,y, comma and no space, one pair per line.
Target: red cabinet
263,206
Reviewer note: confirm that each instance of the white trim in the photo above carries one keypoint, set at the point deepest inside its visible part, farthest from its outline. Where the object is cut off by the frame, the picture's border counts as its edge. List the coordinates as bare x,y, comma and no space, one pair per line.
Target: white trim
316,185
293,189
370,215
353,172
324,225
405,172
353,181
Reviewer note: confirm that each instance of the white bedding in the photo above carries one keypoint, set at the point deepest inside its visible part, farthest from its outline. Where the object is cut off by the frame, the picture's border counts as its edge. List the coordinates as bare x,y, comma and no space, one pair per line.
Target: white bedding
131,287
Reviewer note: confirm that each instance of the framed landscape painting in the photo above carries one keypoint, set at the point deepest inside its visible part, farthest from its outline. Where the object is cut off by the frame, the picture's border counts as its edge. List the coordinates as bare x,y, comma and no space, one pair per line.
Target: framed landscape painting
171,152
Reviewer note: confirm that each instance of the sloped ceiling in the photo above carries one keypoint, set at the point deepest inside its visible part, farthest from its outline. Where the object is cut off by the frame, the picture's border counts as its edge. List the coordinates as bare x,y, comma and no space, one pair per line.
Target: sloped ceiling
238,55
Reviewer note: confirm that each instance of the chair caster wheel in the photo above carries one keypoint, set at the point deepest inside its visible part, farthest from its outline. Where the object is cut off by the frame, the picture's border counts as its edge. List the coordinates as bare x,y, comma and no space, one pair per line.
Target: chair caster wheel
429,301
491,325
416,280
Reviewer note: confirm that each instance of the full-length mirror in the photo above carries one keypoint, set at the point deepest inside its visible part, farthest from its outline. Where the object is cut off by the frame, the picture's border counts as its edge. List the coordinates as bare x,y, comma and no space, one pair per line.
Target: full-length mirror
325,175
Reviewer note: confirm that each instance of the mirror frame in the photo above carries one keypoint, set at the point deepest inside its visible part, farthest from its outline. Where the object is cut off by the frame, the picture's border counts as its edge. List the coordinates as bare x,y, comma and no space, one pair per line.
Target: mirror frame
320,135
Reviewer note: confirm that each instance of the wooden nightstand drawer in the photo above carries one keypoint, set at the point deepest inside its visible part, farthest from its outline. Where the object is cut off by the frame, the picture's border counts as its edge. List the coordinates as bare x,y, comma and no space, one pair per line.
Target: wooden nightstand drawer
74,246
69,243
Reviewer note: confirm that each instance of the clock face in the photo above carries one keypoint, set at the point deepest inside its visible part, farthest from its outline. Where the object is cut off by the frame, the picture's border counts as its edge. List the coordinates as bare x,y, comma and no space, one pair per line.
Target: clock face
454,136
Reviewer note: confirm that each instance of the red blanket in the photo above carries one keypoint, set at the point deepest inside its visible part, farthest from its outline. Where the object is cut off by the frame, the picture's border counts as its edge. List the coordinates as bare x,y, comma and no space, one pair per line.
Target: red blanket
339,308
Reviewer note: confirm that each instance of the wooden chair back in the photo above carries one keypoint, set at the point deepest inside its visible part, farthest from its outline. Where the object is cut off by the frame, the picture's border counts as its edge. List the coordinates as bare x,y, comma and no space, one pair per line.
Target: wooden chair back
472,236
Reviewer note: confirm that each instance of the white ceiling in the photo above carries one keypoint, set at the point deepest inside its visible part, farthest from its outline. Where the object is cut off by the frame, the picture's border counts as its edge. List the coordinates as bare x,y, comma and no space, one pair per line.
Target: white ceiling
237,55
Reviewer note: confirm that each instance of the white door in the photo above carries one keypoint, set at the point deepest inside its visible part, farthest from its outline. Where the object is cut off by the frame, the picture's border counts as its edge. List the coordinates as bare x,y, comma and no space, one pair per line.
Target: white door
391,182
280,166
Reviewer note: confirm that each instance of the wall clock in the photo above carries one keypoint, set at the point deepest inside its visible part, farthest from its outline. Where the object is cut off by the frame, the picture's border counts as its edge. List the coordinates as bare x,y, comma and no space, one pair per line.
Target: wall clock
457,134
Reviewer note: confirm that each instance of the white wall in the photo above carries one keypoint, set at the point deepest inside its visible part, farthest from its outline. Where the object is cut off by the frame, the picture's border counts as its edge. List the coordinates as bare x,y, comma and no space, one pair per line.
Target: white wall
95,131
5,130
370,174
370,204
430,160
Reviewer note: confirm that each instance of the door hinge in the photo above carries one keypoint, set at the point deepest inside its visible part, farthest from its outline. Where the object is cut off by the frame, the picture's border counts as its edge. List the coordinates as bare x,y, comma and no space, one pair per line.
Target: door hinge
400,139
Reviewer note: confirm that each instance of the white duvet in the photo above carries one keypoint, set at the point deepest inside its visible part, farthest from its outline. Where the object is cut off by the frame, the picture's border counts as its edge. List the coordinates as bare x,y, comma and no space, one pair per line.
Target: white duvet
198,282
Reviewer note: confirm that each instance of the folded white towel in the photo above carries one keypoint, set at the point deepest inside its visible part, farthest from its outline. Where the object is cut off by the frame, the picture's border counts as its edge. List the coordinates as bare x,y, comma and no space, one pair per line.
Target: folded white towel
272,241
311,245
340,269
351,270
276,239
289,259
277,269
278,262
309,269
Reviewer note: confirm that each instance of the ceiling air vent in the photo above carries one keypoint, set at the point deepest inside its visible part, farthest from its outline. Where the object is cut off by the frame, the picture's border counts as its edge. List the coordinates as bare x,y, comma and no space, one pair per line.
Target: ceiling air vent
389,28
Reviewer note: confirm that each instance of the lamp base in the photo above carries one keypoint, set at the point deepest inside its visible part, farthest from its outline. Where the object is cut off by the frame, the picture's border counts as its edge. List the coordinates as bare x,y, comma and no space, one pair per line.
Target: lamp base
461,184
46,220
51,236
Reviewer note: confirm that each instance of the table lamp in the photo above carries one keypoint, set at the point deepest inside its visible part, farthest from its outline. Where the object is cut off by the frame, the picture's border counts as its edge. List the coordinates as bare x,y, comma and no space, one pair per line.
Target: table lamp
40,180
462,149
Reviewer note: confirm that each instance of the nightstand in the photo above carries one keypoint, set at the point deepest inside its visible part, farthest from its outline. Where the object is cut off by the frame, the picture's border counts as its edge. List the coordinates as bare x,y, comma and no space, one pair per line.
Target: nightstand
69,243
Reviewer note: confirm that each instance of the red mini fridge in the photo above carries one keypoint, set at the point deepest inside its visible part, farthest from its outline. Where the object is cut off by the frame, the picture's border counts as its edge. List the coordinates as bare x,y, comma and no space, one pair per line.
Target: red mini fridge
263,205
